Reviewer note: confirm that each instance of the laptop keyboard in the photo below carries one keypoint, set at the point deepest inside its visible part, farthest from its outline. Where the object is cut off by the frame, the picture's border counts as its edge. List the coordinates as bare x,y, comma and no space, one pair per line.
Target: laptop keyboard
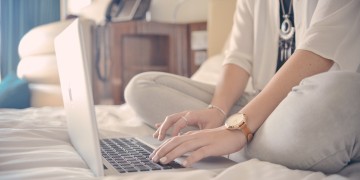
130,155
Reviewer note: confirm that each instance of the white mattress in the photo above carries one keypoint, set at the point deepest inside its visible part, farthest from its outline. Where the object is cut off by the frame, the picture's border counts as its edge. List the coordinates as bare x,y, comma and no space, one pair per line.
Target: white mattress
34,145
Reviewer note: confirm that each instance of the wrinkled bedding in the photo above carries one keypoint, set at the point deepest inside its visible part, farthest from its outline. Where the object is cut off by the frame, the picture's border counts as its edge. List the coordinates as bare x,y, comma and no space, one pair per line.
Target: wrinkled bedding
34,144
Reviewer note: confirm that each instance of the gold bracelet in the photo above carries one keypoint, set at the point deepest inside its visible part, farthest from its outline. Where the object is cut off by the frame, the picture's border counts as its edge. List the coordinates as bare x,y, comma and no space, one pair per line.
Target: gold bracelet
218,108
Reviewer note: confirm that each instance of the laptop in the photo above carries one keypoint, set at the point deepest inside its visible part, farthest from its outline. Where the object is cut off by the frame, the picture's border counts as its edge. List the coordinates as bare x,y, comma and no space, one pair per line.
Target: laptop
112,156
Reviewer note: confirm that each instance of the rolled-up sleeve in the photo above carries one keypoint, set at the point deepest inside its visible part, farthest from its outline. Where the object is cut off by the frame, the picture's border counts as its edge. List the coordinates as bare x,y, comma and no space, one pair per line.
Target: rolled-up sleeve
334,33
240,49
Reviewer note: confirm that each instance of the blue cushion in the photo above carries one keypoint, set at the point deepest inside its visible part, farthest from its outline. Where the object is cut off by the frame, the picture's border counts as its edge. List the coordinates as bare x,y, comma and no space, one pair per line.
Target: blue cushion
14,92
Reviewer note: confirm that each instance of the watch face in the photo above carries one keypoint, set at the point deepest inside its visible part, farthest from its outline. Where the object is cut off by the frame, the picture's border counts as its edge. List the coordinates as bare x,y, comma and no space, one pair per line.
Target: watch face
235,121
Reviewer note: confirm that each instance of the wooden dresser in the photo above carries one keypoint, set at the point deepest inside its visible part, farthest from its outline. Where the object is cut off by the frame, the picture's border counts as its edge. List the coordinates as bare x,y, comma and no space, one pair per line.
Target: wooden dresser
139,46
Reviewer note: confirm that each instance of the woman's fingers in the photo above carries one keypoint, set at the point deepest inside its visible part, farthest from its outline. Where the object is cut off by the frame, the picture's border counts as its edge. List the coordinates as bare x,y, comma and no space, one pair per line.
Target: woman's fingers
201,144
176,121
203,119
157,125
176,147
197,155
164,126
180,124
155,150
156,134
169,144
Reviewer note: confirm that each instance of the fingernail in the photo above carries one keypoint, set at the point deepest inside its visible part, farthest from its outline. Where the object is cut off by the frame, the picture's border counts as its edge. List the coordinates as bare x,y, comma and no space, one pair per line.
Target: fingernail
163,160
185,163
151,155
155,158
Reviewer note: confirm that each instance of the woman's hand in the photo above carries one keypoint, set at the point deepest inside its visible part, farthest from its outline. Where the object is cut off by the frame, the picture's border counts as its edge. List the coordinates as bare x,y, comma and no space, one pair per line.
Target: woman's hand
200,144
203,119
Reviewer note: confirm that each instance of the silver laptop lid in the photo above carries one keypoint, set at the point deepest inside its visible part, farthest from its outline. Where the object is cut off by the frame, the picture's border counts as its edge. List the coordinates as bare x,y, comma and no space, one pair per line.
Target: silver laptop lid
73,62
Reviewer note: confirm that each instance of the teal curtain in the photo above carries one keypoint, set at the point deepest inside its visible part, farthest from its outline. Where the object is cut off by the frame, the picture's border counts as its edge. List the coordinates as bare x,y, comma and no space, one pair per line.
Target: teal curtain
17,18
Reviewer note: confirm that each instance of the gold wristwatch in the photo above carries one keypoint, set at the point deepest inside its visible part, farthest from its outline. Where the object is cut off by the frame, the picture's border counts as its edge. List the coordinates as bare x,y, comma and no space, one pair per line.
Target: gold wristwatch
238,122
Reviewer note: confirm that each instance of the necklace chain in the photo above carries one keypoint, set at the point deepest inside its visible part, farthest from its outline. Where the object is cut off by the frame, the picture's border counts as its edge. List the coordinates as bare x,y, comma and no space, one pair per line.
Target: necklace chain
283,8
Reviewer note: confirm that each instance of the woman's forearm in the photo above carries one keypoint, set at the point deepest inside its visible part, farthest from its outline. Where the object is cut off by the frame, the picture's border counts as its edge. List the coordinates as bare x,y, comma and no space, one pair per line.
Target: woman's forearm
230,87
300,65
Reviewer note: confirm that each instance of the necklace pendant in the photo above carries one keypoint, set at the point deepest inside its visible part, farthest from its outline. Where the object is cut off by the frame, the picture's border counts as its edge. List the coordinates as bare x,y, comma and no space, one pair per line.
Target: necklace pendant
287,33
289,53
287,30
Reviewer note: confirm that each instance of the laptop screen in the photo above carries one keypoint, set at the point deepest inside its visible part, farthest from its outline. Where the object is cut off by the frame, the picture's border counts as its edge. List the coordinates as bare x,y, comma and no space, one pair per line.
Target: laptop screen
73,60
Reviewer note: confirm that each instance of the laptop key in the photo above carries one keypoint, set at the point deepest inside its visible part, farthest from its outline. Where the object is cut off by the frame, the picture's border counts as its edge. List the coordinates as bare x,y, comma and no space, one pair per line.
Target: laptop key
143,168
167,167
131,169
121,170
175,165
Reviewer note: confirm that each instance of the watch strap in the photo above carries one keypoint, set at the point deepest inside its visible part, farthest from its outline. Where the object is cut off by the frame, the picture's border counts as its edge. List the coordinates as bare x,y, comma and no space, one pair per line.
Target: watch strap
246,131
243,128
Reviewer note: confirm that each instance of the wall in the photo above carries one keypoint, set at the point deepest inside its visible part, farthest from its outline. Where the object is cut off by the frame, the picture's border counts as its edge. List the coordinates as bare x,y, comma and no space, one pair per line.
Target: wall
179,11
73,7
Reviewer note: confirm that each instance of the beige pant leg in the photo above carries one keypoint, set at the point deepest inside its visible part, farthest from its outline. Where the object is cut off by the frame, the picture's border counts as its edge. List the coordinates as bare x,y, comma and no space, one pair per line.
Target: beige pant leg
316,127
155,95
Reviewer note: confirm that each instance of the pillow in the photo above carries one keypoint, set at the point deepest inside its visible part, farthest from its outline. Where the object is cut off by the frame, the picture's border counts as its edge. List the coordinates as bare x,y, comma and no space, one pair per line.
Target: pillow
14,92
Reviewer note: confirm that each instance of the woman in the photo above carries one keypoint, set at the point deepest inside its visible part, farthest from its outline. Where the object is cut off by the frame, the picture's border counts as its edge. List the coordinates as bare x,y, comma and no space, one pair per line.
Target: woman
305,114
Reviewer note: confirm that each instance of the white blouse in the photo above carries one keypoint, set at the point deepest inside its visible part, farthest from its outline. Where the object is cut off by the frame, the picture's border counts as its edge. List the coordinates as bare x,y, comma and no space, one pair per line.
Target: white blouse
329,28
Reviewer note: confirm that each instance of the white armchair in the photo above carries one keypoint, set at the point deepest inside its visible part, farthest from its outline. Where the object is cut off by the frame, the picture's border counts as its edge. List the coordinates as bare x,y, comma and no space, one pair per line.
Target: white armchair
38,64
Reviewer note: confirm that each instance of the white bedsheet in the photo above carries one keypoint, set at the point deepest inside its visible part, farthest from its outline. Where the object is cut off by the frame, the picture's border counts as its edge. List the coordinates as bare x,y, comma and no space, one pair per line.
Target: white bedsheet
34,145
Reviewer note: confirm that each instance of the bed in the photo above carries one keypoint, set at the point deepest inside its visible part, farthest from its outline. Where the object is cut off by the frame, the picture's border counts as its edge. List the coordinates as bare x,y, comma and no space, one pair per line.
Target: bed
34,144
